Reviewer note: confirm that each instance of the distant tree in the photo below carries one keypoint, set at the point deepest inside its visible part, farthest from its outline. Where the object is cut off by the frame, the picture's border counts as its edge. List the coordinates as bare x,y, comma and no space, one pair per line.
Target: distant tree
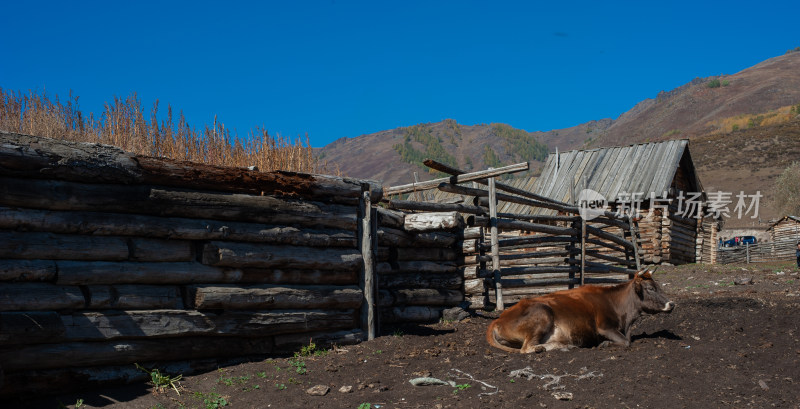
787,190
714,83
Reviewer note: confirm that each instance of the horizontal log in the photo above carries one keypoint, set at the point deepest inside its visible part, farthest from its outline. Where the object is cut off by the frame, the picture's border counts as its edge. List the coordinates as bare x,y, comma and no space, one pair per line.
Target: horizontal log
427,267
231,254
173,202
87,326
48,246
253,297
531,240
117,352
467,177
421,280
451,188
434,207
120,224
30,327
539,218
415,313
399,238
474,286
533,261
40,157
510,271
424,254
531,255
617,260
27,270
99,272
390,218
419,296
609,236
440,221
504,224
133,297
39,297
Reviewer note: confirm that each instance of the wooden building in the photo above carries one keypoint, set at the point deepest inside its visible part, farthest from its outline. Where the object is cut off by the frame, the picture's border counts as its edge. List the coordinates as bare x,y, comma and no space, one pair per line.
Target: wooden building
788,227
657,181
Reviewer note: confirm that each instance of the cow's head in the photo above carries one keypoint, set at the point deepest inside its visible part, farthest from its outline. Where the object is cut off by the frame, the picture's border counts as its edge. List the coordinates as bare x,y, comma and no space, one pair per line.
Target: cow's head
649,292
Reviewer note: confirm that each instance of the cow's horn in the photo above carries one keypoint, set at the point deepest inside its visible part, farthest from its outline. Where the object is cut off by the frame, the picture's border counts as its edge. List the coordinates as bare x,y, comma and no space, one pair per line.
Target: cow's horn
641,273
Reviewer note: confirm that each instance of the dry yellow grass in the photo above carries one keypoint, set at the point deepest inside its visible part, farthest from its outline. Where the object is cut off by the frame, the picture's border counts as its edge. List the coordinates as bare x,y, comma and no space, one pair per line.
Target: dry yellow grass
735,123
122,123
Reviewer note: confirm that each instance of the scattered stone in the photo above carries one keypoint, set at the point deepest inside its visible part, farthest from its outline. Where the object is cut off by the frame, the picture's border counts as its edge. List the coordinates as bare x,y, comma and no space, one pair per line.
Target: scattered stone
422,374
763,385
743,280
318,390
346,389
562,395
454,314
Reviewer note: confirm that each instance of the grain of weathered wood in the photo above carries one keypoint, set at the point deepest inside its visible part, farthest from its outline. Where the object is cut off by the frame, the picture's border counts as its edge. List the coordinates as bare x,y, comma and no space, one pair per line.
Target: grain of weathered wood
132,297
100,272
173,202
433,221
253,297
434,207
121,224
49,246
39,297
86,326
30,327
419,296
427,267
450,281
142,249
398,238
232,254
27,270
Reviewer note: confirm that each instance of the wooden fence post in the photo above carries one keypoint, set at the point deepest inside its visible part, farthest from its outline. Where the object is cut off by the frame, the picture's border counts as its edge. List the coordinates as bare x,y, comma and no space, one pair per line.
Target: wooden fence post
498,286
634,241
747,252
367,279
583,250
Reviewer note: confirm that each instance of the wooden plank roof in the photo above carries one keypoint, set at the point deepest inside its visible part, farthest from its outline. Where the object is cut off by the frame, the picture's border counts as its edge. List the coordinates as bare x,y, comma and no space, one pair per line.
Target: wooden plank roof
642,168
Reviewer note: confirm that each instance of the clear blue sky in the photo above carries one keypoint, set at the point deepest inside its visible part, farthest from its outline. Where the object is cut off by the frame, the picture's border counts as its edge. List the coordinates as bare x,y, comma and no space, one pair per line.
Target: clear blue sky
346,68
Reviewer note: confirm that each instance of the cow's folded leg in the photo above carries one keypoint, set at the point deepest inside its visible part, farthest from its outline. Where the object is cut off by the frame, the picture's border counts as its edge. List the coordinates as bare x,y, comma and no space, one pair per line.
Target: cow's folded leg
614,338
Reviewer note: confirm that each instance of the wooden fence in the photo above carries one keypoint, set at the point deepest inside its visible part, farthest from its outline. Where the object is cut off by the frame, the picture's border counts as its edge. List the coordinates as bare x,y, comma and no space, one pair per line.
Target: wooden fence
783,249
555,251
109,259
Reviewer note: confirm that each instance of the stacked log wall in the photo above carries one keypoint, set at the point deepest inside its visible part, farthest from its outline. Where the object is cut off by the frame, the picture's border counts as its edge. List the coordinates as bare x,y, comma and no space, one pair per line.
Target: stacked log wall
110,259
419,255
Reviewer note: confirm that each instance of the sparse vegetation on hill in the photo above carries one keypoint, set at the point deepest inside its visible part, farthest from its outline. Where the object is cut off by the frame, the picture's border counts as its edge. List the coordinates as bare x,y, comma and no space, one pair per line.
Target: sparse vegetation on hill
433,147
520,143
124,123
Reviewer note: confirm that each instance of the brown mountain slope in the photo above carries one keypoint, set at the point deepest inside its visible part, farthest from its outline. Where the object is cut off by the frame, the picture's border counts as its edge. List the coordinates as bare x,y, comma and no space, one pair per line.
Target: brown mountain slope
692,109
747,160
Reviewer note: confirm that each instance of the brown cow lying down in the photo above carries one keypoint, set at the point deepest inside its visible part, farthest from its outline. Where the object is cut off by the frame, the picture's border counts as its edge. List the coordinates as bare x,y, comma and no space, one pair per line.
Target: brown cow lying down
582,317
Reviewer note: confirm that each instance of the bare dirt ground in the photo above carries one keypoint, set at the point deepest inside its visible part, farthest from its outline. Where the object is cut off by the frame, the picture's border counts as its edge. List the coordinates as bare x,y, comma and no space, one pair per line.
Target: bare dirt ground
725,345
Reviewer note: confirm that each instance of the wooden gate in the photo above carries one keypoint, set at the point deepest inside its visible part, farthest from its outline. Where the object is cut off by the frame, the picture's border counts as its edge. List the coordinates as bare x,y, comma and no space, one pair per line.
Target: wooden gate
522,254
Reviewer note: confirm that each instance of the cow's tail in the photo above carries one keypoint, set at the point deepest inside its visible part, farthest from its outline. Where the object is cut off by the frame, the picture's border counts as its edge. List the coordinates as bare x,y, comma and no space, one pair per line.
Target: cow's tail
491,337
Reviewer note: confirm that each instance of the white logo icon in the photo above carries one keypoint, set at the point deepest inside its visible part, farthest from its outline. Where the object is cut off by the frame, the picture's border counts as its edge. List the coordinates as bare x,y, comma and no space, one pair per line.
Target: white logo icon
591,204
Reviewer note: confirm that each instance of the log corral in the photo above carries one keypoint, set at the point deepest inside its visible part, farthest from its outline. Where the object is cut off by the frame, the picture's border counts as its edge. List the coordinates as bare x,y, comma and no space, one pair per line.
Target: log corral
110,259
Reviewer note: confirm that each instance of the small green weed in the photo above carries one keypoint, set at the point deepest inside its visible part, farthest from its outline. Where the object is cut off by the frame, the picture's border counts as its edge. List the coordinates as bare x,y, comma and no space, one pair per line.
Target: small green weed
398,333
262,374
462,387
365,405
162,381
280,386
211,400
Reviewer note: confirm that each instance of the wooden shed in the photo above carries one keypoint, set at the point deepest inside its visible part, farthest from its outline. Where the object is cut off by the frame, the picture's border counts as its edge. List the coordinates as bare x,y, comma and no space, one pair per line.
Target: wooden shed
788,227
657,181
